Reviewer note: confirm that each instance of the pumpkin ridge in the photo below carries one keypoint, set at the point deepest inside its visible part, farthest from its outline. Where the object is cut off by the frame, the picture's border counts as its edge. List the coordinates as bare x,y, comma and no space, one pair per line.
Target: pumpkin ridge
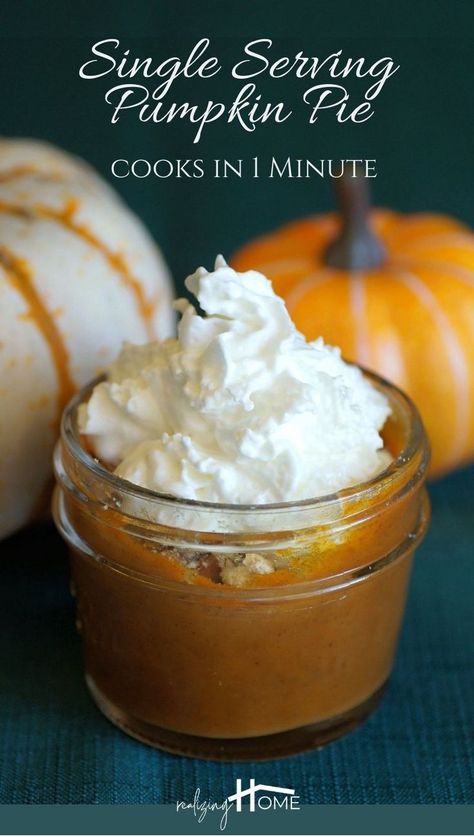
455,355
420,226
357,296
463,274
283,266
294,297
115,260
459,237
20,277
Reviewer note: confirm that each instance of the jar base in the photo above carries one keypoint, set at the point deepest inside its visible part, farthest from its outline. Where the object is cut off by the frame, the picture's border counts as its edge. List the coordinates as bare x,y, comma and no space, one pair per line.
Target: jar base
258,748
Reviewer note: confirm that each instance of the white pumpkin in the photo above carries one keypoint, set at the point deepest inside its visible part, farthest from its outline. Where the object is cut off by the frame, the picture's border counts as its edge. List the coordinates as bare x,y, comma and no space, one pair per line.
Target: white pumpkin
79,274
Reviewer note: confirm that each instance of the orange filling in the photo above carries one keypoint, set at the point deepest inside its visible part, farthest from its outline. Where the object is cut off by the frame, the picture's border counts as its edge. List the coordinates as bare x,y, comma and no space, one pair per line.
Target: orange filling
241,664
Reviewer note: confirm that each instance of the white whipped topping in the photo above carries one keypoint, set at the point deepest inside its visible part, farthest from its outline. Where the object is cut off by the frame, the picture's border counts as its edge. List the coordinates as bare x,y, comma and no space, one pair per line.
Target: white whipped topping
239,408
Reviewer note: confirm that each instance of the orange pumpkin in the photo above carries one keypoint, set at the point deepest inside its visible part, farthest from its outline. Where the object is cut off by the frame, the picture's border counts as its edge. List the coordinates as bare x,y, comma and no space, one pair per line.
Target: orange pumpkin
396,293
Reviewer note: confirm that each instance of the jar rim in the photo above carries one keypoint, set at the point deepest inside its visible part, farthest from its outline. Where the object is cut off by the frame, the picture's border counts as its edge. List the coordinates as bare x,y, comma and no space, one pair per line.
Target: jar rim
416,444
330,583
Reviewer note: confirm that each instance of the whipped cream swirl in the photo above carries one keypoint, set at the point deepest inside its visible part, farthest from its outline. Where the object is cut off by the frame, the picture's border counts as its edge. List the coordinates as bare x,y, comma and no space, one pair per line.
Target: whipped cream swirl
239,408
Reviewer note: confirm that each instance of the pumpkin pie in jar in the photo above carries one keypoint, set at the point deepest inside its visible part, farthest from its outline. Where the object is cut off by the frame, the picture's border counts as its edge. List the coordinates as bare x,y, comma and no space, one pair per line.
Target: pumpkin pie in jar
242,509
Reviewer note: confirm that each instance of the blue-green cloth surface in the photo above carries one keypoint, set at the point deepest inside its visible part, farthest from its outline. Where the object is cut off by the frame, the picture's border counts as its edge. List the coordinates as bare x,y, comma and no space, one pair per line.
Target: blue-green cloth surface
418,747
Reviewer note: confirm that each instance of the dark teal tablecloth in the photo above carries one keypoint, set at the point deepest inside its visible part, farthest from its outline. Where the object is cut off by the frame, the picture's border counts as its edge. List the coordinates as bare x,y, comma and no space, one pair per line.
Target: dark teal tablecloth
55,747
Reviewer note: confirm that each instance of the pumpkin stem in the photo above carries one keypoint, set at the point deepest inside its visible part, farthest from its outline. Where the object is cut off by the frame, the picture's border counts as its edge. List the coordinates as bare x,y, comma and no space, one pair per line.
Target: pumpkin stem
355,247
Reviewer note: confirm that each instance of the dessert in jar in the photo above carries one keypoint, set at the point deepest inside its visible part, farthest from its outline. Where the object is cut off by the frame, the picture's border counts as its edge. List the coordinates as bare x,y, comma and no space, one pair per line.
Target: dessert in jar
242,508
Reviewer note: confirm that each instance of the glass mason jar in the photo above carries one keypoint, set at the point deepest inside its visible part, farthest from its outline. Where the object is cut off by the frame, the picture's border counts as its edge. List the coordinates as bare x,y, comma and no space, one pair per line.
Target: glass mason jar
288,662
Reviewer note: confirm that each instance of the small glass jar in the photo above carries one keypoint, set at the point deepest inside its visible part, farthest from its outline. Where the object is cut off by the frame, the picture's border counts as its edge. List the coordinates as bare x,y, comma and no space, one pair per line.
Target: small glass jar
290,661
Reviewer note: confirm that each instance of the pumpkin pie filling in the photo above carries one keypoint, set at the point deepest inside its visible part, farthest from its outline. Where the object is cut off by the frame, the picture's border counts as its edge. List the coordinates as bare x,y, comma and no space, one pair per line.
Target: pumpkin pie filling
239,630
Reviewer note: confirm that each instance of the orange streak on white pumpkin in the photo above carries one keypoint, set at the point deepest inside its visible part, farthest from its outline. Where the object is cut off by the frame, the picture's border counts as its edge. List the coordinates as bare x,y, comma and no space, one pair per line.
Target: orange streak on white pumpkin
16,171
19,274
456,357
65,217
357,294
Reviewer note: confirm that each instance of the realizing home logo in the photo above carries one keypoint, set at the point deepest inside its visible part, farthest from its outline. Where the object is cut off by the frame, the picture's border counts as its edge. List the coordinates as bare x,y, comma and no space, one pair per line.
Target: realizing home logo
281,797
258,796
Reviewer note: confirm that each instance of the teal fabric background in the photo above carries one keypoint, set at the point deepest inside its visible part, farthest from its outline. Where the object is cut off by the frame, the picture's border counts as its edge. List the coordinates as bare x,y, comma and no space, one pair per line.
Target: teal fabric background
418,748
55,747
